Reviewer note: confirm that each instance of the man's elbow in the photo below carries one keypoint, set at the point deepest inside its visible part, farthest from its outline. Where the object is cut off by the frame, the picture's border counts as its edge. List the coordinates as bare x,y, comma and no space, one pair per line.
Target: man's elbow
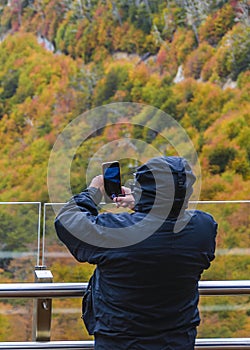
57,225
71,242
61,231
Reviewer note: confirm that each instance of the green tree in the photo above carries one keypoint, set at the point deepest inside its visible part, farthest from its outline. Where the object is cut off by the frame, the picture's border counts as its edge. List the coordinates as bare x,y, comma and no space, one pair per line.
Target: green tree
220,157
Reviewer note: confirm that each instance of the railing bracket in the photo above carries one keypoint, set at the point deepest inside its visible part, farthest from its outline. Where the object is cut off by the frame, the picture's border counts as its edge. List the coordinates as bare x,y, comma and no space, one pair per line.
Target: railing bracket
42,308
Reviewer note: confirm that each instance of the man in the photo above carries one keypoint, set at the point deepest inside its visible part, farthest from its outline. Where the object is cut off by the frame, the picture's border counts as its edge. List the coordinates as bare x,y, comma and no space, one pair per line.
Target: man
142,295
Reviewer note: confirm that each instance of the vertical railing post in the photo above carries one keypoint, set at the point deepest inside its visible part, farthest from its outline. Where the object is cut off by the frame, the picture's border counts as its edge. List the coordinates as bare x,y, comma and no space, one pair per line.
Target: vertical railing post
42,308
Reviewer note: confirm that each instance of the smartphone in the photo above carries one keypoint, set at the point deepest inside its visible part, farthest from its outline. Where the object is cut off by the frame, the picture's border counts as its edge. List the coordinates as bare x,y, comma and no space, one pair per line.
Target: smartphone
112,180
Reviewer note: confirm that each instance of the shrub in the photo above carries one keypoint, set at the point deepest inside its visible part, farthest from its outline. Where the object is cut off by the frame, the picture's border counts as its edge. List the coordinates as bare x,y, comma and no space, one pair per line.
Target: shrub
220,157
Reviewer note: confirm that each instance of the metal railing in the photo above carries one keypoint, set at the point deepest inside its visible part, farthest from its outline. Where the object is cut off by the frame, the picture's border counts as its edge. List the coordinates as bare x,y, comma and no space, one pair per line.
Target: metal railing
74,290
201,344
44,292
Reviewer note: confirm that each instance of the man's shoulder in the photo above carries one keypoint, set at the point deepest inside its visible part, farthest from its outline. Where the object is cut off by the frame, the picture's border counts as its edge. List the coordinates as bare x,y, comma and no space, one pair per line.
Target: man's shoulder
204,222
201,214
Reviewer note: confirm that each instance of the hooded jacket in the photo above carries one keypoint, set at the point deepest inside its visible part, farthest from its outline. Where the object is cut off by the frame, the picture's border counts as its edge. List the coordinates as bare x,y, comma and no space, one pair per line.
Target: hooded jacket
147,290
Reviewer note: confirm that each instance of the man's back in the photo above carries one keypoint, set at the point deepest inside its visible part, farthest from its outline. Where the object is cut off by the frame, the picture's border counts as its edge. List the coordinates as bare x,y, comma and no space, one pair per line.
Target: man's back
152,286
143,295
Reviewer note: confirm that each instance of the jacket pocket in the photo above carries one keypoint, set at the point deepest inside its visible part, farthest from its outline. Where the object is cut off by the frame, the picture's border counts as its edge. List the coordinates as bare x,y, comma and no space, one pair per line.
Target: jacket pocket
87,309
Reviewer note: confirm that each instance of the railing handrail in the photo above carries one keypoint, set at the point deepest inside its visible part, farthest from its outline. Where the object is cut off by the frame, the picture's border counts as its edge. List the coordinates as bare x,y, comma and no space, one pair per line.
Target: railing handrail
200,344
224,287
70,345
59,290
54,290
222,343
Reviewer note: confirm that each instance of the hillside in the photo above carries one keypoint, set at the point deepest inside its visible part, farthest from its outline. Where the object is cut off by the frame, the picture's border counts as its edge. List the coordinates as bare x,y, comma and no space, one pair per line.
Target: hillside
61,58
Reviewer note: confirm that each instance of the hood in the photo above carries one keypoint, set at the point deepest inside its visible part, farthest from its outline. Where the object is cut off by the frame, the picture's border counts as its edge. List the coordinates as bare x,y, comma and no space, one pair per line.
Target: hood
163,186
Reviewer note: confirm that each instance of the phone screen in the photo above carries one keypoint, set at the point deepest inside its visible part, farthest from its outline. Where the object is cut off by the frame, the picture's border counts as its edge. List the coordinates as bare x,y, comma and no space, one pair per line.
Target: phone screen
112,180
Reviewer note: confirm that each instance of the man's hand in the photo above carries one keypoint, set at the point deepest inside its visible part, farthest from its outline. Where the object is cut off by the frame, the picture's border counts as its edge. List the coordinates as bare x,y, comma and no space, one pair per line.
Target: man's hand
97,182
127,201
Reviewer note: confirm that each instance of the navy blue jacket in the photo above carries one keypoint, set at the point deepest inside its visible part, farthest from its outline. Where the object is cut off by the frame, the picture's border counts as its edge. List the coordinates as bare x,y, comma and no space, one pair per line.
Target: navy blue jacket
147,289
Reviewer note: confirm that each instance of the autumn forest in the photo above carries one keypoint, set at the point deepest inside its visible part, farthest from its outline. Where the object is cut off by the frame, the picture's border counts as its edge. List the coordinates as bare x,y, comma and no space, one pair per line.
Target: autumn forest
61,58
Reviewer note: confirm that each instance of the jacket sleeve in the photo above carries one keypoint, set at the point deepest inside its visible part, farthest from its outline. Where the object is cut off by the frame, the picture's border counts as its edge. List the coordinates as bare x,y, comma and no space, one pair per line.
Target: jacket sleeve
214,235
75,223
